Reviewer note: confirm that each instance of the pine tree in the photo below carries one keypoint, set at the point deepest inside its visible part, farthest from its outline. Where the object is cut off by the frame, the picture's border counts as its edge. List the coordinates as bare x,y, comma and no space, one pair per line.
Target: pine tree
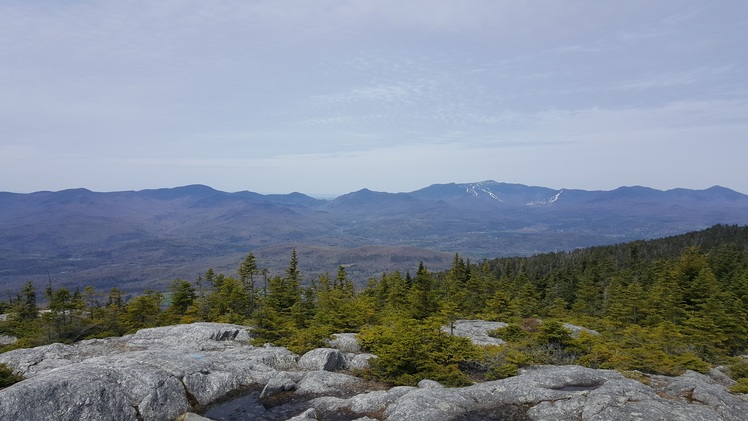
422,298
24,305
397,296
588,297
247,271
182,297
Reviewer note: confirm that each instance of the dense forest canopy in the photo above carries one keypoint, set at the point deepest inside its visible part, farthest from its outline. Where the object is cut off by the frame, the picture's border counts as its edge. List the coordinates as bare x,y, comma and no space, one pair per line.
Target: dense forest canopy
660,306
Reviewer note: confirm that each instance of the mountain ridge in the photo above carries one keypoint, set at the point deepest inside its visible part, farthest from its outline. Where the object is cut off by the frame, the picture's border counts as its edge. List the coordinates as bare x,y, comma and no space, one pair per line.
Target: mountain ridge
133,239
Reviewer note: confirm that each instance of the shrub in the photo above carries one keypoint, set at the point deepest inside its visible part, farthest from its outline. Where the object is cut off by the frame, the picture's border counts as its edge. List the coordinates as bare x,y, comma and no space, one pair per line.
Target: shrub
741,386
7,377
412,350
510,333
739,369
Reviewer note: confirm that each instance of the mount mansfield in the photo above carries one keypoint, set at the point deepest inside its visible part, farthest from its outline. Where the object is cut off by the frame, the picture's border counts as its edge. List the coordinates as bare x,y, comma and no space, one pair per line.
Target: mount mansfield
143,239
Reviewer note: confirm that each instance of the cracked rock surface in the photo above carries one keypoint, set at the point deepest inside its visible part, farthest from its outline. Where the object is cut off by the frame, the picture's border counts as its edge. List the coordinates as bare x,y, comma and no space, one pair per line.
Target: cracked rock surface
169,372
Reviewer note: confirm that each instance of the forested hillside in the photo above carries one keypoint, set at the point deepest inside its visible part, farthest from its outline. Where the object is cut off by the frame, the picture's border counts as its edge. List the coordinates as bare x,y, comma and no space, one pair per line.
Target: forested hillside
660,306
136,240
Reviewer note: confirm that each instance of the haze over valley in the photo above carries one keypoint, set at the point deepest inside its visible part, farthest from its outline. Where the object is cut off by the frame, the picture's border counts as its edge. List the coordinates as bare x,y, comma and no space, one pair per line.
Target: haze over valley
136,240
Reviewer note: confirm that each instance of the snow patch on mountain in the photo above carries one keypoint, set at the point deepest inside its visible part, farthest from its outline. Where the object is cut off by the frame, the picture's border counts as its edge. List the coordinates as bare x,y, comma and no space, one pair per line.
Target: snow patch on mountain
546,201
477,190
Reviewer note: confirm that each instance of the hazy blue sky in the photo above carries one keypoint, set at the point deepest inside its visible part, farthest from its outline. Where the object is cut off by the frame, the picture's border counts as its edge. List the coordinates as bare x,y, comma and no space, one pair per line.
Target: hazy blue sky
326,97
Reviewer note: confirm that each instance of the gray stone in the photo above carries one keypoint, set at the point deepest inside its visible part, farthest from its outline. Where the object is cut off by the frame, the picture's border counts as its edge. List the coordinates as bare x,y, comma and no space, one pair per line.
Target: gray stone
29,362
373,402
429,384
150,377
276,385
376,401
57,397
575,393
201,336
476,331
330,404
576,330
696,388
192,417
327,359
7,340
358,361
309,414
345,342
186,338
328,383
430,405
718,375
105,385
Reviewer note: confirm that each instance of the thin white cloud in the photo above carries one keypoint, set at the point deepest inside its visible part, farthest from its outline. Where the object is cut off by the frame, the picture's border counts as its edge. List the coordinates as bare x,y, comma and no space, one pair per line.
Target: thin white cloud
688,77
182,87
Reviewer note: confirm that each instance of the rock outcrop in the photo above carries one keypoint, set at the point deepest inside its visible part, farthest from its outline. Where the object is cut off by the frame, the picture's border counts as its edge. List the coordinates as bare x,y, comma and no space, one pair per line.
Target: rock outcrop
576,330
155,374
328,359
7,340
345,342
174,372
476,331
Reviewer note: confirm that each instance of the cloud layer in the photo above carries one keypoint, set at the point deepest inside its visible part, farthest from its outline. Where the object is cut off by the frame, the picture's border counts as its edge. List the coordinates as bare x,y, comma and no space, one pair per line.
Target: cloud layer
332,96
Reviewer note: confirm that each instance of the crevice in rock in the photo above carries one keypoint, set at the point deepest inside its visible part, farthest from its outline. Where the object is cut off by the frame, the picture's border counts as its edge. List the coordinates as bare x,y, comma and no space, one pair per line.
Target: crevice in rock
499,413
191,399
226,335
689,396
579,386
137,413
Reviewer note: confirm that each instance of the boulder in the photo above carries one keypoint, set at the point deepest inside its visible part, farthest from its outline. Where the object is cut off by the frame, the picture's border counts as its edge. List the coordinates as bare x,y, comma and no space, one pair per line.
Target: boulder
476,331
576,330
328,383
358,361
328,359
429,384
309,414
276,385
7,340
345,342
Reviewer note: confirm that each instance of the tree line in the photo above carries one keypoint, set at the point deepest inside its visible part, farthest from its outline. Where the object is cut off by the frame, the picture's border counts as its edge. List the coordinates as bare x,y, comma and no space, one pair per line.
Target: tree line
660,306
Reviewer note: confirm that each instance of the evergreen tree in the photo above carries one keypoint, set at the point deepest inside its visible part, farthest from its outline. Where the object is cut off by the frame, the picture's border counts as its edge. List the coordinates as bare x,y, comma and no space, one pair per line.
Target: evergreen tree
91,299
665,300
143,311
588,300
24,305
247,271
527,301
182,297
421,295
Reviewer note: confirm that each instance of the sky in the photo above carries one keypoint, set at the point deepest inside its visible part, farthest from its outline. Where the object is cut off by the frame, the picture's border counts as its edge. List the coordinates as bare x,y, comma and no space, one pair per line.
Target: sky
327,97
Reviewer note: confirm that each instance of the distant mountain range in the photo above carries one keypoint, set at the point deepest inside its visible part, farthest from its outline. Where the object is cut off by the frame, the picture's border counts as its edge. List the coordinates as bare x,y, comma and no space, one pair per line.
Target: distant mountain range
140,239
